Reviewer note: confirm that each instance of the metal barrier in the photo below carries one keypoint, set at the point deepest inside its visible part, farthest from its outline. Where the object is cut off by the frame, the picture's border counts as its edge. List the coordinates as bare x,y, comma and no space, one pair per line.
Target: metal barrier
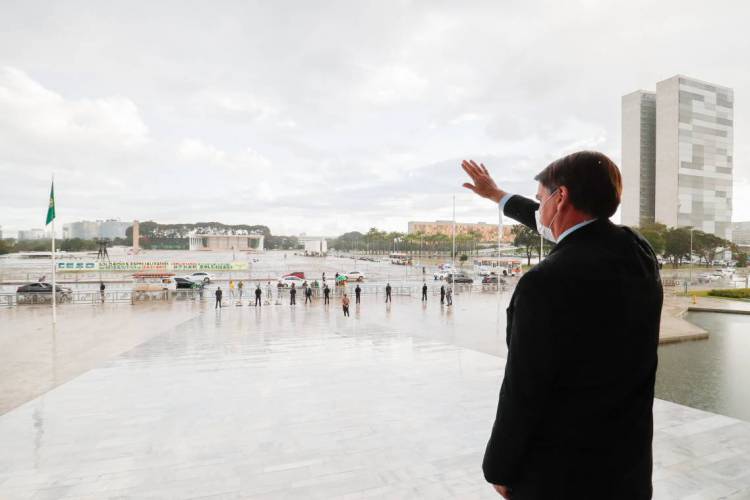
82,297
7,299
42,298
279,294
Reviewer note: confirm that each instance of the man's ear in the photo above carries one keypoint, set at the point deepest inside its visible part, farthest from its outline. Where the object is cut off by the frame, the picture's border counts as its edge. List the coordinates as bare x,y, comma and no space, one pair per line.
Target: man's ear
564,196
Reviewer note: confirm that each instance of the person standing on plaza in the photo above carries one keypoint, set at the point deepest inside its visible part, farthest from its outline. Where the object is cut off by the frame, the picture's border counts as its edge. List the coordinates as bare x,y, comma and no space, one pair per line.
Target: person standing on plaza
449,296
442,294
269,291
231,290
240,286
101,290
326,294
218,294
258,294
357,292
308,295
345,304
575,412
424,292
293,296
387,292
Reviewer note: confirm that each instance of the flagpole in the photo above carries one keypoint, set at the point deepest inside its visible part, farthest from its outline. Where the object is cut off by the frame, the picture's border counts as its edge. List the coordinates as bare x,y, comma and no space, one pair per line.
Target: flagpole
453,246
499,242
54,270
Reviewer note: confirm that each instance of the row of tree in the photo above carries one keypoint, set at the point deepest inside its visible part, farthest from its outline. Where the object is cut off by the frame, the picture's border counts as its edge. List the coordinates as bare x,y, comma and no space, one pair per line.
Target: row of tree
376,241
154,236
674,243
671,243
67,245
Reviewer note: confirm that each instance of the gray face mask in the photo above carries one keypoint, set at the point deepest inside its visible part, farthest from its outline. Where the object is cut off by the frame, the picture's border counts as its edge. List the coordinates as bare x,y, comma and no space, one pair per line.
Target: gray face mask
545,231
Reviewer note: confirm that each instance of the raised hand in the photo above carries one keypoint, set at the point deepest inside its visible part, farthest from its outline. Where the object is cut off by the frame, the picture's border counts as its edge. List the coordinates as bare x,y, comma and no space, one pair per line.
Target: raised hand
483,185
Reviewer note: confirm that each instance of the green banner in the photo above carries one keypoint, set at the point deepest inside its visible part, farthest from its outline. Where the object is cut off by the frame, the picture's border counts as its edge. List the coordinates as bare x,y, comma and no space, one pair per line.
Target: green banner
151,266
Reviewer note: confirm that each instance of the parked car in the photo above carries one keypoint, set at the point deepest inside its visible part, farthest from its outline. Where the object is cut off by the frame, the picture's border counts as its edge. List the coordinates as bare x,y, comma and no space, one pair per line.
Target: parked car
355,276
492,279
43,288
483,270
199,277
458,278
706,277
287,281
43,292
441,275
186,283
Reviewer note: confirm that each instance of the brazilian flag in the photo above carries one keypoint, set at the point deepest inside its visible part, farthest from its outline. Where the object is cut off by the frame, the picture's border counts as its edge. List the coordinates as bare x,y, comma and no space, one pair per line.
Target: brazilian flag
51,209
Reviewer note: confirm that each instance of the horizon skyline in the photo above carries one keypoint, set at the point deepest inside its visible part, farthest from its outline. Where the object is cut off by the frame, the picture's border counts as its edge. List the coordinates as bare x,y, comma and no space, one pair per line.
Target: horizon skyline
59,228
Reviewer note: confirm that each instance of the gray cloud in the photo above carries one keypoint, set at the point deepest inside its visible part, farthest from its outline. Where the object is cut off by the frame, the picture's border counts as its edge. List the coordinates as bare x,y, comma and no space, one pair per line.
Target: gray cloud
328,116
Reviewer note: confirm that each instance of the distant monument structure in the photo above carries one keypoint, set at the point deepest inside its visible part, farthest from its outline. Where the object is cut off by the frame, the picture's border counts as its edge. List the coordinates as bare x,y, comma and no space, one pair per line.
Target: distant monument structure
217,241
314,245
136,237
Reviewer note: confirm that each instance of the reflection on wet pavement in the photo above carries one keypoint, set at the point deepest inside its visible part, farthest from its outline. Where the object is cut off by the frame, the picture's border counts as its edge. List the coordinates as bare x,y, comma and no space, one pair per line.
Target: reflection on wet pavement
281,402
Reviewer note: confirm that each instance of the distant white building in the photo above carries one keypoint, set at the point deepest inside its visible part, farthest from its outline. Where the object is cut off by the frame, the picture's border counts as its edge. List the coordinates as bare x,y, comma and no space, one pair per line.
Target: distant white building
32,234
314,245
239,242
89,230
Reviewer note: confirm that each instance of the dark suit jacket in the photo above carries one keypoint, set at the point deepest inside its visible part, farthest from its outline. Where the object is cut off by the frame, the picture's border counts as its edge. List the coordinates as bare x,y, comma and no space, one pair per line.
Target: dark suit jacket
574,418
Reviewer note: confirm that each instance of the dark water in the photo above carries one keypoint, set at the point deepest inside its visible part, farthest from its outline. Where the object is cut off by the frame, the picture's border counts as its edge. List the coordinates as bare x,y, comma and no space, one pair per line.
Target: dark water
713,374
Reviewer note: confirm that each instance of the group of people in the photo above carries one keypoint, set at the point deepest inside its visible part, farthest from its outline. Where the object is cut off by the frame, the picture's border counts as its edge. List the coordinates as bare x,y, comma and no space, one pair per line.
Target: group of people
446,294
219,294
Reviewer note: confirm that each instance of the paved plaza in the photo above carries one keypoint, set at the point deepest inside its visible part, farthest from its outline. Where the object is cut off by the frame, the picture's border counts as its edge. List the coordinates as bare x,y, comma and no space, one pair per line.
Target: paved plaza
182,401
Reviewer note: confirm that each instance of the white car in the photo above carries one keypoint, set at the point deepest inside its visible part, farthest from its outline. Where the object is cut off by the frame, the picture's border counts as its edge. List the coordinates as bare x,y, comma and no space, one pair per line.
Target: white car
441,275
287,281
706,277
355,276
199,277
484,270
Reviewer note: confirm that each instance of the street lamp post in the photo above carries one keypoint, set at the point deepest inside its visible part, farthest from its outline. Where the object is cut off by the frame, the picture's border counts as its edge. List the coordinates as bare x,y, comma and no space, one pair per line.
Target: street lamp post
499,245
690,269
690,263
453,236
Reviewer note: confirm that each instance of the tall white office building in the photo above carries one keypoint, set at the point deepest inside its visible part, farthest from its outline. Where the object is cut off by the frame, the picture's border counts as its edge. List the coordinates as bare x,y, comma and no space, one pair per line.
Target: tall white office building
690,183
638,157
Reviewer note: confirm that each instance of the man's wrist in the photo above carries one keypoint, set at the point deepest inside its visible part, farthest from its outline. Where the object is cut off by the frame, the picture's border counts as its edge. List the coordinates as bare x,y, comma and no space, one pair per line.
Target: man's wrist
497,196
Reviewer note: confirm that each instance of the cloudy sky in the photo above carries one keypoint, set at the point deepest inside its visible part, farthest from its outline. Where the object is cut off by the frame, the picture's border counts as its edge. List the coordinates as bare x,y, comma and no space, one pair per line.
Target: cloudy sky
326,116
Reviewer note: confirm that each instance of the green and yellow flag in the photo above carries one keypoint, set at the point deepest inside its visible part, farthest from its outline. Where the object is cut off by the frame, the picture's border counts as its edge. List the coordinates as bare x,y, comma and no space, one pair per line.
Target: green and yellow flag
51,209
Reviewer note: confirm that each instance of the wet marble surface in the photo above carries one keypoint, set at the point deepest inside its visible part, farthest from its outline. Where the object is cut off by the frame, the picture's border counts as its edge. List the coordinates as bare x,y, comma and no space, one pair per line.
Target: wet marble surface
303,403
35,358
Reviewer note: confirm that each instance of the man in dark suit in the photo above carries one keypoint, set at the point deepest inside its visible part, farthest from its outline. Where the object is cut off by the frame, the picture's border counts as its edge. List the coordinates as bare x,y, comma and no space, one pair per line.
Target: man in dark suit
574,418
